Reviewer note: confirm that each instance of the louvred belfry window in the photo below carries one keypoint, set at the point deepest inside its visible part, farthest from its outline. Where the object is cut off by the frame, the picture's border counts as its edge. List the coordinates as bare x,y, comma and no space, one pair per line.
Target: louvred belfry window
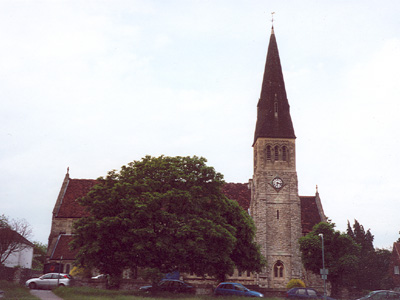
268,152
276,153
284,153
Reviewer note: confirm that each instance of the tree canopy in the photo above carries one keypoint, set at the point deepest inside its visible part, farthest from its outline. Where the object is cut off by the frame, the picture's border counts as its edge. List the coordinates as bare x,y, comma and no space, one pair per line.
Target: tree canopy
372,271
167,213
341,254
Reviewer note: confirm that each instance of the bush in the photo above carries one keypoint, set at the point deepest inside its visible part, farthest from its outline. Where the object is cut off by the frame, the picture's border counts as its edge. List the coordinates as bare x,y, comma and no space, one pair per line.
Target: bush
295,283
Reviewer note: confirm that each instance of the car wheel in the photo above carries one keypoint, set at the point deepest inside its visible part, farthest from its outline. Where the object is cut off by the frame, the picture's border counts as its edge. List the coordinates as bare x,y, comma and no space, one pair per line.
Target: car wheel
32,285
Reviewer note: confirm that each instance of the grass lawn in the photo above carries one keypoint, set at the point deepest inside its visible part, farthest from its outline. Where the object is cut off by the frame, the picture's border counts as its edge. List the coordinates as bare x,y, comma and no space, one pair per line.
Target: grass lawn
15,291
85,293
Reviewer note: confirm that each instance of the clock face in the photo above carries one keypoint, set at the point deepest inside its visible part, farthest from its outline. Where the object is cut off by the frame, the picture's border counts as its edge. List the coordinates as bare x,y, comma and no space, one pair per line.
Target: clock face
277,183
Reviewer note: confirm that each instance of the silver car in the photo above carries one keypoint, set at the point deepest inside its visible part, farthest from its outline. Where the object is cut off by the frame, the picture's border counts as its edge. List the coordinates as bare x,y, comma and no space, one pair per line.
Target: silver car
49,281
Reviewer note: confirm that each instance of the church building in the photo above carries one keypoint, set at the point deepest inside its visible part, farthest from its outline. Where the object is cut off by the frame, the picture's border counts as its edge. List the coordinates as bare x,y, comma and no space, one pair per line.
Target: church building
281,216
275,206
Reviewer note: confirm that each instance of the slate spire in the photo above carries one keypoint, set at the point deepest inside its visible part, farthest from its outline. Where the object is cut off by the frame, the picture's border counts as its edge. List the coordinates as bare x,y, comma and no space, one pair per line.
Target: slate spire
273,110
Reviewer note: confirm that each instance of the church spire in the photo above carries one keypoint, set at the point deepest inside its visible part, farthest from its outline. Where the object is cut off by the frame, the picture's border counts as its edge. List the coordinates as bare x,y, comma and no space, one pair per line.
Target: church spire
273,111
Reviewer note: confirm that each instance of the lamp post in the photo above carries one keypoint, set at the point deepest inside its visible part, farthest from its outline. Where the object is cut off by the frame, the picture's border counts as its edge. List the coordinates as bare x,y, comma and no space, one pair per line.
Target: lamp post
323,271
59,271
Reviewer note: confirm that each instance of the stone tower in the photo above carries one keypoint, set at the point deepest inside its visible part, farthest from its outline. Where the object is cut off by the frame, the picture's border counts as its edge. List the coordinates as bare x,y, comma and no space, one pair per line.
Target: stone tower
275,202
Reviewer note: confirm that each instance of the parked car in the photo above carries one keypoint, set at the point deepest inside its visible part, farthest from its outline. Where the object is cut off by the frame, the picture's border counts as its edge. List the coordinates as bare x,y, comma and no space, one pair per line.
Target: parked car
101,276
304,293
235,289
49,281
382,295
169,285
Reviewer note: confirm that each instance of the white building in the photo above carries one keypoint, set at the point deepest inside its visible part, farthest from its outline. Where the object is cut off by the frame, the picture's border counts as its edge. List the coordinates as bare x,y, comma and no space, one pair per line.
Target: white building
22,257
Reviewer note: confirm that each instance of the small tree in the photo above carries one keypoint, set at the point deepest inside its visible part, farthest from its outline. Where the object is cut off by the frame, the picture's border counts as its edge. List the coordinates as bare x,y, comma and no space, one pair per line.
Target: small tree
13,236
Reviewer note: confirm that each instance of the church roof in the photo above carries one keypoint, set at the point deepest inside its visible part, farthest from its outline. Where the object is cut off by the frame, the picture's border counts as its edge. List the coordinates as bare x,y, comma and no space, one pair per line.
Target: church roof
75,189
238,192
273,110
310,215
62,248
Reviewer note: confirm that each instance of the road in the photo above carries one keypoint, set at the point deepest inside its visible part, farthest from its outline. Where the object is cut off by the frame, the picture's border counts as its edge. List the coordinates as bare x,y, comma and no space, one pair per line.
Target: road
45,295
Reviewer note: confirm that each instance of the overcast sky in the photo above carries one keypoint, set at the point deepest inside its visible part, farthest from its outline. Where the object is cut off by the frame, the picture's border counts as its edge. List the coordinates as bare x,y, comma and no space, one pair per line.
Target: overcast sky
93,85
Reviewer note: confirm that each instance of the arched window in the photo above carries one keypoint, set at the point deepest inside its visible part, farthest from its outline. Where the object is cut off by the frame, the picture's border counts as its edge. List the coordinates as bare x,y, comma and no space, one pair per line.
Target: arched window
276,153
278,269
284,153
268,152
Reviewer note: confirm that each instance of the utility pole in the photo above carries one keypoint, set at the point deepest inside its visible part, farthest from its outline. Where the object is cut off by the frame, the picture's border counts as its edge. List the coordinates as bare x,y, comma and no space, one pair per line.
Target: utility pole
59,271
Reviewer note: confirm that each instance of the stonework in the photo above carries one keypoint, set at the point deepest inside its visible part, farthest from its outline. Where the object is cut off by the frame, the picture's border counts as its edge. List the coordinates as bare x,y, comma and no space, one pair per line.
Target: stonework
276,211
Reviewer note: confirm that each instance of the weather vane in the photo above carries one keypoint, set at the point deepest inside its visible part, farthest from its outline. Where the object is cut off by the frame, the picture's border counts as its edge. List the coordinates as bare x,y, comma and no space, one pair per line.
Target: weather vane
272,20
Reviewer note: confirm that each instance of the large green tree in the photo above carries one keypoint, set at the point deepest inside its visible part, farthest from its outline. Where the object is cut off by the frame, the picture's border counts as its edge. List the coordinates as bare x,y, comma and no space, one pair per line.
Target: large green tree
166,213
341,254
372,270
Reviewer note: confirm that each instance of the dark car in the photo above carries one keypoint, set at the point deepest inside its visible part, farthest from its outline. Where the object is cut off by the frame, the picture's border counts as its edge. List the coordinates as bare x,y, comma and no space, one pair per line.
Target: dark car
304,293
49,281
382,295
235,289
169,285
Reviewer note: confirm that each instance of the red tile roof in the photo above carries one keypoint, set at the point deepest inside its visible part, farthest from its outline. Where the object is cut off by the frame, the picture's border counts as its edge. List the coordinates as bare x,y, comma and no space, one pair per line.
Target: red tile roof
309,213
238,192
76,189
62,248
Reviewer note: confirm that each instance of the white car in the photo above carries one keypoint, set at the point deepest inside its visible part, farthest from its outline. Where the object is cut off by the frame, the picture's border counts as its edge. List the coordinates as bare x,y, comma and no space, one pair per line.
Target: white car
49,281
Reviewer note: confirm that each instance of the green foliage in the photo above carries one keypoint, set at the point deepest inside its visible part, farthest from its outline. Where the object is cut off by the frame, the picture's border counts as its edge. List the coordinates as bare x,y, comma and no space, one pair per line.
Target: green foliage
166,213
295,283
15,291
341,254
80,272
372,270
39,256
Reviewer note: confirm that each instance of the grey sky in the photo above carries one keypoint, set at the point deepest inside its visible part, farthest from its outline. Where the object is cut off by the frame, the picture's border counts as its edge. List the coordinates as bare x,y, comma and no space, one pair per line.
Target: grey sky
93,85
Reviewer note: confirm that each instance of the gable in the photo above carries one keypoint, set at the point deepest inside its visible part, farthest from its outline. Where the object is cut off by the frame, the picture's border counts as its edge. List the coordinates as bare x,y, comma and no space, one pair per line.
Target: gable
310,214
69,206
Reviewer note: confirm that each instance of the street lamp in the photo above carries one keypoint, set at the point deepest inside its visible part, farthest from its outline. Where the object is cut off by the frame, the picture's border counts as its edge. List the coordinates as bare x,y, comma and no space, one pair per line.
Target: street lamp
324,272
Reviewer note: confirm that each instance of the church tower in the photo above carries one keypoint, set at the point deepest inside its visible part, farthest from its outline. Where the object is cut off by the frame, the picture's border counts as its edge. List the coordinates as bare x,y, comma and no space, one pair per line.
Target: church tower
275,202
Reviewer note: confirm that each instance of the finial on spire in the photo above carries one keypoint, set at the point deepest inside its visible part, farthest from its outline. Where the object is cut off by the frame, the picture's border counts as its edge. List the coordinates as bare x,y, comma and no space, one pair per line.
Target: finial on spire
272,21
68,170
316,189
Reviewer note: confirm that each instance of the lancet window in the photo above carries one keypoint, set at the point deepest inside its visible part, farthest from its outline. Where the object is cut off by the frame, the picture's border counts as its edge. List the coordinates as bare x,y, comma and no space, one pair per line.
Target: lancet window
278,269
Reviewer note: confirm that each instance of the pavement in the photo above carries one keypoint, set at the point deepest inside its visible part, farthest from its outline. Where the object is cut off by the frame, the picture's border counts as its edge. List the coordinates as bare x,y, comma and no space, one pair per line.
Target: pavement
45,295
